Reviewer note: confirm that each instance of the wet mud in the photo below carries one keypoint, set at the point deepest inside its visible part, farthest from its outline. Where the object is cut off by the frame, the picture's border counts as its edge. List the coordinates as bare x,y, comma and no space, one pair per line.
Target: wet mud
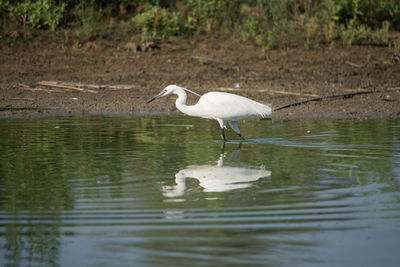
118,80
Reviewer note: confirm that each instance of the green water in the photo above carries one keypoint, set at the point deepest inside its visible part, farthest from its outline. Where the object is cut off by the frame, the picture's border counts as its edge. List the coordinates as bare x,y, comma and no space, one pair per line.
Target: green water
163,190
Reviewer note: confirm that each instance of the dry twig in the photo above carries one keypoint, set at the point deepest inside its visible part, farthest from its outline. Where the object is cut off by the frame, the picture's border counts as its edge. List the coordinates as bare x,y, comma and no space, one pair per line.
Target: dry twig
272,92
205,59
64,85
348,95
353,64
27,87
83,87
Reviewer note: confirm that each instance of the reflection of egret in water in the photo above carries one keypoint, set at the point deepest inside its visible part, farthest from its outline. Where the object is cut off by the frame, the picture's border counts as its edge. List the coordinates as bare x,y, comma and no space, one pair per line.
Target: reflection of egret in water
216,178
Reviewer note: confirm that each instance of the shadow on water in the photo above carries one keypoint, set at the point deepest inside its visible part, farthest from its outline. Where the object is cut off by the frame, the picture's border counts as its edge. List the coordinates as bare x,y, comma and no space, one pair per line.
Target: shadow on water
156,190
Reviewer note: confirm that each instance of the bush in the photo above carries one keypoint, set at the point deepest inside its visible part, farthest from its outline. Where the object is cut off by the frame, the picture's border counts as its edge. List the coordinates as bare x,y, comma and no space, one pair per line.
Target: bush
40,14
354,33
156,23
269,24
89,21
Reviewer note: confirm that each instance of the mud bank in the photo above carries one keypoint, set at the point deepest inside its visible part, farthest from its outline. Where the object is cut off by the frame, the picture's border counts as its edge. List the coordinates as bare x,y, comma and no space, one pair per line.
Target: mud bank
118,80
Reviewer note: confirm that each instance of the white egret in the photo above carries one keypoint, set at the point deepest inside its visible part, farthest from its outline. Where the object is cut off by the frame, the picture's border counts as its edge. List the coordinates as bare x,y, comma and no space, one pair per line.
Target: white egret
220,106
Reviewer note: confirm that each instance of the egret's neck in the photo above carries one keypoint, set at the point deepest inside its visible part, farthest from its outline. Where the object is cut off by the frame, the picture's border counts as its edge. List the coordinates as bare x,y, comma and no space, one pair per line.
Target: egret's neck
181,103
175,190
181,100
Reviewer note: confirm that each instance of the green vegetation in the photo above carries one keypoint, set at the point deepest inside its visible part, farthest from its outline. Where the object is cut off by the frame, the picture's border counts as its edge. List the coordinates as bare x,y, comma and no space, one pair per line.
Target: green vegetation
269,24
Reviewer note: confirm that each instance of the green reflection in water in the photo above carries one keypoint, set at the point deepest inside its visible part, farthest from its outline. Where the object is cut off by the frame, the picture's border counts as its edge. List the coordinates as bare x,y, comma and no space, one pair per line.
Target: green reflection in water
58,175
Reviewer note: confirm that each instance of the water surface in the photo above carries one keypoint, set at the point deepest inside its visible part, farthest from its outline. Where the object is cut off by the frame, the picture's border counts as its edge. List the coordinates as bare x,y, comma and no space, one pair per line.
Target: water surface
163,190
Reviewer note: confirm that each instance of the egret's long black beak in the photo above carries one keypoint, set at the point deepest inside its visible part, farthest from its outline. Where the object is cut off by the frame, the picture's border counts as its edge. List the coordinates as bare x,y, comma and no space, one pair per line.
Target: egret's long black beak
155,97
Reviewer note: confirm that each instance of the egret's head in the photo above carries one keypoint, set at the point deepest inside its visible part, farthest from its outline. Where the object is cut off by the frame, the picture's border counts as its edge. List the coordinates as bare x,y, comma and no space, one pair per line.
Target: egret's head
170,89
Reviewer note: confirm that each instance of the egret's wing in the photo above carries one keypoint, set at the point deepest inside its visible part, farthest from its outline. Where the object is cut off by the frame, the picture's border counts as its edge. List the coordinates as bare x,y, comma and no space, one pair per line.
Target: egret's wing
231,107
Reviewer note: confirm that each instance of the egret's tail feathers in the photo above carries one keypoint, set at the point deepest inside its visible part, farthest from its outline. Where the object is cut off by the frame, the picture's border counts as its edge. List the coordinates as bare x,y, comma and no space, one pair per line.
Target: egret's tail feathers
263,110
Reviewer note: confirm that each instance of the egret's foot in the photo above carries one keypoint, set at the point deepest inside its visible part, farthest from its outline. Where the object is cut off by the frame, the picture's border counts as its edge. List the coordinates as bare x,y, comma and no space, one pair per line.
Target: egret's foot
241,136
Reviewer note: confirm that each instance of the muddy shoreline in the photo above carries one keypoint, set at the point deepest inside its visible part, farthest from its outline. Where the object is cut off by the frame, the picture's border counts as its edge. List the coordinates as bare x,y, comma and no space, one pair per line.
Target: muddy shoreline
125,78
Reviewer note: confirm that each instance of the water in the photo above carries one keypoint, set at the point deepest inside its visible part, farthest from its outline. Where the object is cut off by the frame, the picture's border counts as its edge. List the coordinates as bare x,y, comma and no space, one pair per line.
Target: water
162,190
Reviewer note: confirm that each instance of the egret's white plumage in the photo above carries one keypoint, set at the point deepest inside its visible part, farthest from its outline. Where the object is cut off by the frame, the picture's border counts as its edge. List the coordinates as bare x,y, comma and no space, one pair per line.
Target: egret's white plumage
223,107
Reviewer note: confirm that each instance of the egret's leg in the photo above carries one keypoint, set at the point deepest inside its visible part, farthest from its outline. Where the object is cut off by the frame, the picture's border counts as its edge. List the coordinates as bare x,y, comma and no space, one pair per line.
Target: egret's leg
235,127
223,134
222,124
